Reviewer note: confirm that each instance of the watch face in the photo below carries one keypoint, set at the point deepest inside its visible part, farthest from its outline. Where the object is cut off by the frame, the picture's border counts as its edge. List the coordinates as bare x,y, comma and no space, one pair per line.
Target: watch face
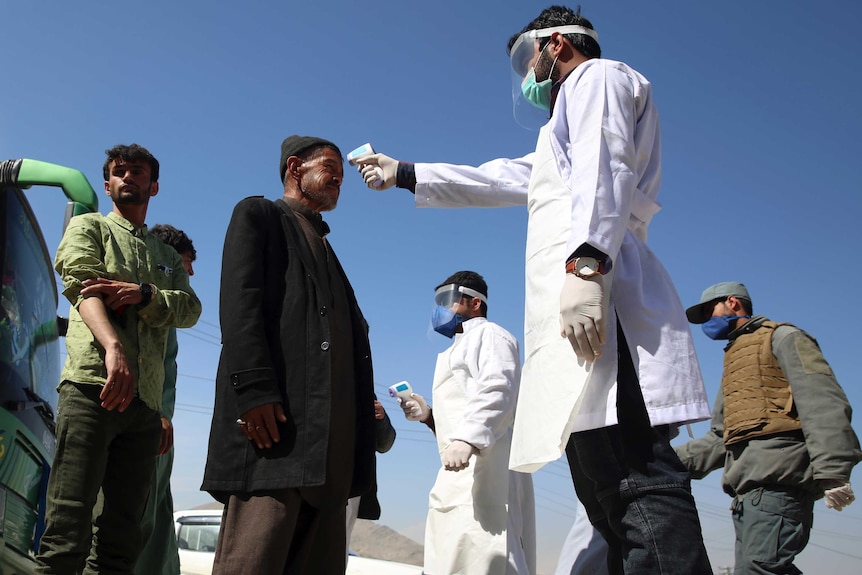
587,267
146,293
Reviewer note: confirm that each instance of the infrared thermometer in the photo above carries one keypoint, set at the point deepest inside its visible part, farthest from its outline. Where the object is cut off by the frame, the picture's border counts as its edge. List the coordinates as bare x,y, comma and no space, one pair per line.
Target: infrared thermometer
355,157
401,389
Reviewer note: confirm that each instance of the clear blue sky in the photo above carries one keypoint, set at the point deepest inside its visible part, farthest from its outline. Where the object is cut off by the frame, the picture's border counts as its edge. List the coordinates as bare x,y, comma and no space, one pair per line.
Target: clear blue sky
761,133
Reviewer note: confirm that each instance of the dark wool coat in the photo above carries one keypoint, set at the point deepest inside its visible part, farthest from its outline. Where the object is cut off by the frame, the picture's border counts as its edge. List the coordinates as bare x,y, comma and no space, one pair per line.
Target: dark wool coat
275,347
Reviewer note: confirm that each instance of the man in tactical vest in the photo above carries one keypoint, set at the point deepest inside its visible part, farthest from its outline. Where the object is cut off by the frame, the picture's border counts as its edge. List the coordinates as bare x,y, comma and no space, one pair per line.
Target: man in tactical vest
780,426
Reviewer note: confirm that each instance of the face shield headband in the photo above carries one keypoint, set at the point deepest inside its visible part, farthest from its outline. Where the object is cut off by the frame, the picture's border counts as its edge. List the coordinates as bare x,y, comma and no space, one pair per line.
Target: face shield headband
448,295
524,47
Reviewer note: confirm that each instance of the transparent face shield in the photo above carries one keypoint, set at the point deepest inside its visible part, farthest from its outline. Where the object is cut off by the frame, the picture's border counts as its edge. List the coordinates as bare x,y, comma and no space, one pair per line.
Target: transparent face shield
443,318
449,295
524,55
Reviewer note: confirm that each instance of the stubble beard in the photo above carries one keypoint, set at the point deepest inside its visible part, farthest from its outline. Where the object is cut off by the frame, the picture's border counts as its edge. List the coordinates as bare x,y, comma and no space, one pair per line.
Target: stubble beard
318,194
320,198
138,197
544,67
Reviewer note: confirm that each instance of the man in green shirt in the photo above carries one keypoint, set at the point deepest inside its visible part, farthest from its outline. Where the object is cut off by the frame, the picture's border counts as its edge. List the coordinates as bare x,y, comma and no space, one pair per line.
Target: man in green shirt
127,289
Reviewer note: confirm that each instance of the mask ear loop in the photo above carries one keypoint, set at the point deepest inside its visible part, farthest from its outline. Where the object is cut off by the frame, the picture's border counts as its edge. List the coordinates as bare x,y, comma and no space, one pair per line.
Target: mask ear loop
554,63
533,69
551,71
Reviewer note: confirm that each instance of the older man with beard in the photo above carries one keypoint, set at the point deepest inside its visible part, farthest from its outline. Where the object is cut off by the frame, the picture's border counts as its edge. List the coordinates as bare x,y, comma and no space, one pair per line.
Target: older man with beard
292,435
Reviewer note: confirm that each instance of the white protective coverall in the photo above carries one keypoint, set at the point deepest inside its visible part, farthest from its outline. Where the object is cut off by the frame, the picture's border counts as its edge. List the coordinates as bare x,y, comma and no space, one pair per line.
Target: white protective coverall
481,520
593,179
585,551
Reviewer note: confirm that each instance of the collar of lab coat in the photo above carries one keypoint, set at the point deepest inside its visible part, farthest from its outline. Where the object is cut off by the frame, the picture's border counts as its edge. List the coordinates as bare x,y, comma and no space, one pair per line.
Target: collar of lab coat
471,323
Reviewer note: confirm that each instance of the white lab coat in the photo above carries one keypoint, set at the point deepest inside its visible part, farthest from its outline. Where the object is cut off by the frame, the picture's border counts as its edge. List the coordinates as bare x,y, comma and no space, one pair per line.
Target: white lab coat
481,520
601,148
585,551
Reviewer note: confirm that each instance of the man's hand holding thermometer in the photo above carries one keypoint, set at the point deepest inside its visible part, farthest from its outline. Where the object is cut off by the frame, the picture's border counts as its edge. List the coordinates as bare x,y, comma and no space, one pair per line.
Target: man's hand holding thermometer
377,170
413,404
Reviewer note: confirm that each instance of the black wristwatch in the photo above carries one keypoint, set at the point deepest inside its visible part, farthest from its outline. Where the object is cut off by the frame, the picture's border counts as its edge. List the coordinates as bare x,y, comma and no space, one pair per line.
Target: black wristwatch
146,293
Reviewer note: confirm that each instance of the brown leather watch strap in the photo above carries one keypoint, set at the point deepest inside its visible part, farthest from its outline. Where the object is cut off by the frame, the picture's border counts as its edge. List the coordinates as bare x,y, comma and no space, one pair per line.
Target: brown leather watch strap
570,266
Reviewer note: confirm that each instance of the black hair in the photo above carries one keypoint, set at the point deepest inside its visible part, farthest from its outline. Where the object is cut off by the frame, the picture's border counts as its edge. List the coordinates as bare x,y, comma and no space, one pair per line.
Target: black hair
175,238
470,280
746,304
131,153
562,16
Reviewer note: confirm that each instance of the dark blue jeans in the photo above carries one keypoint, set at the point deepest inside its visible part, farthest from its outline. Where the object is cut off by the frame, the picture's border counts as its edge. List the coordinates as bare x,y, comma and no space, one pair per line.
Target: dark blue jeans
636,491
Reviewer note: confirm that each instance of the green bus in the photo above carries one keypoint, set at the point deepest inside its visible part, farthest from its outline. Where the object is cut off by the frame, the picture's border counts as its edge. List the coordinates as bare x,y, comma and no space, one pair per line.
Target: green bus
30,354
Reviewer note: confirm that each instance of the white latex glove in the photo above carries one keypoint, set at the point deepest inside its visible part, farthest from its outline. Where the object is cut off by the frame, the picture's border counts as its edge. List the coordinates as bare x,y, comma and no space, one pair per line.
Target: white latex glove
582,315
370,175
415,409
457,456
839,497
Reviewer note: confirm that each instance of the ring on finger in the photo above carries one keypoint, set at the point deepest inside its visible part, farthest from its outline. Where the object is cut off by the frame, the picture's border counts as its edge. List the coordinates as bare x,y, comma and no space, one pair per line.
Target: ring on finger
240,421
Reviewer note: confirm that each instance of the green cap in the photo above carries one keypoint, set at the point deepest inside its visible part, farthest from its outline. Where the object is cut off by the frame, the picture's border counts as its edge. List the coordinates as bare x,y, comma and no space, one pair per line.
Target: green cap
712,293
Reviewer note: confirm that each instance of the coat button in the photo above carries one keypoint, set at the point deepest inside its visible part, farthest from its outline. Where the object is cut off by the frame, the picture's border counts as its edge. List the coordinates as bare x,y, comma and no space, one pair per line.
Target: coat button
324,346
323,311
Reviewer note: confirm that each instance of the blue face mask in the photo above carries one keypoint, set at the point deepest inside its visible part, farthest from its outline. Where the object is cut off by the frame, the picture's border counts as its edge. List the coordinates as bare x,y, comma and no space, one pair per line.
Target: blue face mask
718,327
444,321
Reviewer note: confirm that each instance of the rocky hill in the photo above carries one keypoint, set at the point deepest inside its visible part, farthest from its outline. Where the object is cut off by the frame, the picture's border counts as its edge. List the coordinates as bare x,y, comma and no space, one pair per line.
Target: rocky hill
371,539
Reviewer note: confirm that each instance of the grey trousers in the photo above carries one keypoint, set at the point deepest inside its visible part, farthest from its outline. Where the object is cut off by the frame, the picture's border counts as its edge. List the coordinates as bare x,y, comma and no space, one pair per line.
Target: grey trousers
772,527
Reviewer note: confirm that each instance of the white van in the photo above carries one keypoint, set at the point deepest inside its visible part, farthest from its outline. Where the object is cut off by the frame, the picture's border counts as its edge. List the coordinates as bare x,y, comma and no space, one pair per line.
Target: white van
197,533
